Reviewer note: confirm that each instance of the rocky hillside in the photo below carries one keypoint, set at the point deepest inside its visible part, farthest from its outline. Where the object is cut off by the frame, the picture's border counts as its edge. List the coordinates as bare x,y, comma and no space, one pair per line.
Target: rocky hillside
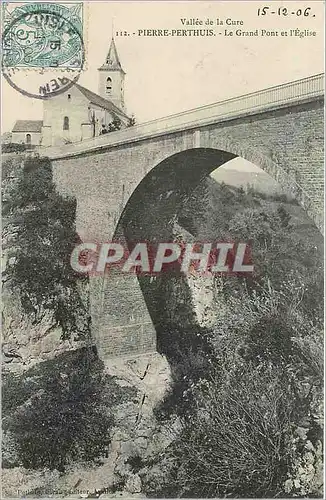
228,347
117,421
27,339
57,395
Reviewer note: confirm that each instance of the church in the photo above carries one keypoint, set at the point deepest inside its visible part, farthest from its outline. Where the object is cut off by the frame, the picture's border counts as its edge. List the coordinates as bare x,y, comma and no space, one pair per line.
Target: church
78,113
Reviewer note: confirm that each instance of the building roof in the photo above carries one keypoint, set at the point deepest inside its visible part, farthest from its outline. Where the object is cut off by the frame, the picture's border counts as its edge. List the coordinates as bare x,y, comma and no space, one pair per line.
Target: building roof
112,61
100,101
28,126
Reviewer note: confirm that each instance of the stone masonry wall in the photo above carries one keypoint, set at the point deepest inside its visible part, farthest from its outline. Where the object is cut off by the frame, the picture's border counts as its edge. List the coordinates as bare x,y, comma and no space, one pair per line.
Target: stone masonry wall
287,144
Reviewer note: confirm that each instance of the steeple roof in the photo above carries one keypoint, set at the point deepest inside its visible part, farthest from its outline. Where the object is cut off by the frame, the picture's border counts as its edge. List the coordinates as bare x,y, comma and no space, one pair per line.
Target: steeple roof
112,61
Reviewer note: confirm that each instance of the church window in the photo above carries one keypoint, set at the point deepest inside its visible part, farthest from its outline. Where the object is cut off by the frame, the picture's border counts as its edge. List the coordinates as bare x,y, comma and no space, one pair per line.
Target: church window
66,123
28,138
109,85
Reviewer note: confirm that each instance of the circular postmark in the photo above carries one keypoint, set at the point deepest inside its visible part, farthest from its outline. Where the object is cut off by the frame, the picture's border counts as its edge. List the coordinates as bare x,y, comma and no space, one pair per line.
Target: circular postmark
43,51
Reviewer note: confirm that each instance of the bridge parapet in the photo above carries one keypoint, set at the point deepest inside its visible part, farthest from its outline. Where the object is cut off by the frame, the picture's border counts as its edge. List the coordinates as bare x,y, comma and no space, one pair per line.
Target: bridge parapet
285,95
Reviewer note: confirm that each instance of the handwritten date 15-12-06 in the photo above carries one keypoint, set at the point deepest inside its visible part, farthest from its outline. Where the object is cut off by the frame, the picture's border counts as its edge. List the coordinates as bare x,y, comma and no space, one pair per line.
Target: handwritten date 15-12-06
284,11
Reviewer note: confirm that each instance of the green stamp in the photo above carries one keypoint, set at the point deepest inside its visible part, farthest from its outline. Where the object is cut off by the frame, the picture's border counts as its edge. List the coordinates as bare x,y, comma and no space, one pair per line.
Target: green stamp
42,35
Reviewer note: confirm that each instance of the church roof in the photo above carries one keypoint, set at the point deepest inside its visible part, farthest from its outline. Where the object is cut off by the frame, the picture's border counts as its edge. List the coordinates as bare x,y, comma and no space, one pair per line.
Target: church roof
112,61
100,101
28,126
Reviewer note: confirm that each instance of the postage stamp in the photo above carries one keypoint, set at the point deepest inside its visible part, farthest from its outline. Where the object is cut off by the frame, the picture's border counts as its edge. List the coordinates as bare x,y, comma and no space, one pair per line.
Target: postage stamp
42,37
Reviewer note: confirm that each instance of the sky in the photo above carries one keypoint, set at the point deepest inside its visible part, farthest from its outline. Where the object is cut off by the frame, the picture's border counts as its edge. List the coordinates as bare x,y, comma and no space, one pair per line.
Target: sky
166,75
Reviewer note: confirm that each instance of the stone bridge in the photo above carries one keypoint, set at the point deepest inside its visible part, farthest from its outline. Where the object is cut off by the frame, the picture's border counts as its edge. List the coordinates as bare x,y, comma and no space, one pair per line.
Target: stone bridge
131,183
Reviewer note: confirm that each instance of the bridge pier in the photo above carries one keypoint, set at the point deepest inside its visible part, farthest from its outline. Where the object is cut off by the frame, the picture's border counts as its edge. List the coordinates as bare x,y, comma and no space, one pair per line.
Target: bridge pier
121,323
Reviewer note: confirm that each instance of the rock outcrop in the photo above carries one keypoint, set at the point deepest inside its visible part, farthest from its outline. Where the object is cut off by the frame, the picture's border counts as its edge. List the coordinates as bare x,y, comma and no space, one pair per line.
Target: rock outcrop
26,341
137,434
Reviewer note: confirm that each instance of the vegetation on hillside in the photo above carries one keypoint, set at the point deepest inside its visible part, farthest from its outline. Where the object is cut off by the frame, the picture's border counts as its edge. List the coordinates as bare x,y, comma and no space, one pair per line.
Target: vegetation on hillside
43,237
59,412
15,147
250,406
248,392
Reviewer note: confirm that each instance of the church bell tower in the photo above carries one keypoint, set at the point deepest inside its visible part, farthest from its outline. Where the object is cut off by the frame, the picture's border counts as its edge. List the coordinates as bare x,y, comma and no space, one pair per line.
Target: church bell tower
111,78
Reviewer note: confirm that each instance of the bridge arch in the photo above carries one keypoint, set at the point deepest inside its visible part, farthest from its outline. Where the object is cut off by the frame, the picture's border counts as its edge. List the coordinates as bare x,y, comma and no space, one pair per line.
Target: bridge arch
134,192
166,184
278,129
153,206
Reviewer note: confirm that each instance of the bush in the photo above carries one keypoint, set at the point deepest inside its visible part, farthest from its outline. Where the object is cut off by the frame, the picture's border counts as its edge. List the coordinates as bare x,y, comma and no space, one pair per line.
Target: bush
131,121
116,124
248,396
251,416
13,147
59,412
236,441
242,439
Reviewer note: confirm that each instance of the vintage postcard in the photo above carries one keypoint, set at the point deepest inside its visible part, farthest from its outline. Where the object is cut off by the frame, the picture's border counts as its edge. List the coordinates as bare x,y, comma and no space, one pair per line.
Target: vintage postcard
162,249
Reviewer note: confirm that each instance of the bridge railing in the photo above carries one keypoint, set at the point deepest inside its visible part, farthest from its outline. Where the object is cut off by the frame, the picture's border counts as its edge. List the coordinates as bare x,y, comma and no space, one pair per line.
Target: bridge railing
271,98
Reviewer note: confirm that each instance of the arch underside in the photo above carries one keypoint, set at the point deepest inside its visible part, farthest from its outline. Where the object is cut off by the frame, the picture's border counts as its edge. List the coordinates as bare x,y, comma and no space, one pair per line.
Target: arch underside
152,210
154,205
160,195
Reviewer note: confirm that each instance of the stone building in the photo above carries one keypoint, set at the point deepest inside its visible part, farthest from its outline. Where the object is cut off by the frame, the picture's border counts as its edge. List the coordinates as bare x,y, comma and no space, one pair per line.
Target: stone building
78,113
27,131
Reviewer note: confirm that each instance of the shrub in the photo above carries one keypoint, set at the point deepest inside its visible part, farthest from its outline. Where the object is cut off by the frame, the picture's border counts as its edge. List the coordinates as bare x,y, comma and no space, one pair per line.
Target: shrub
59,412
116,124
13,147
235,443
131,121
249,398
240,440
260,389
